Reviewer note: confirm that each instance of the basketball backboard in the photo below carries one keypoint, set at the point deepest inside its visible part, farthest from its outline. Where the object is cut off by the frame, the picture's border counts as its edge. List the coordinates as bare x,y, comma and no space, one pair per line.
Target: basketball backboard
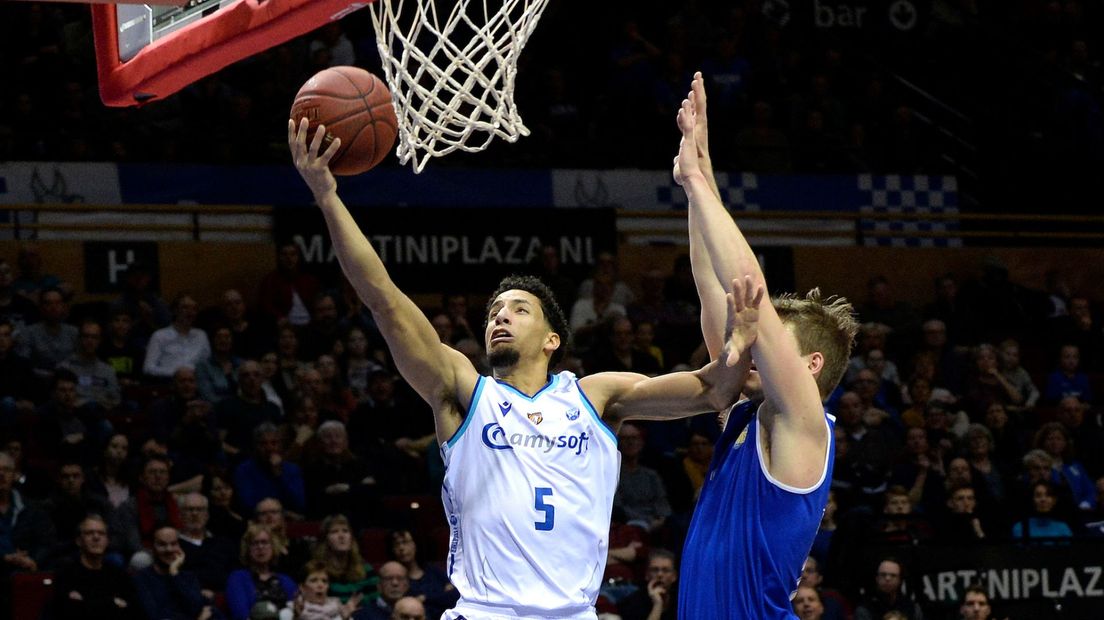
148,51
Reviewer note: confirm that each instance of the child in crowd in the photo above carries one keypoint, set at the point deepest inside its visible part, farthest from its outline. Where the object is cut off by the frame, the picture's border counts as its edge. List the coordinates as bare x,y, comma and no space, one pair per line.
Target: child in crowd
313,602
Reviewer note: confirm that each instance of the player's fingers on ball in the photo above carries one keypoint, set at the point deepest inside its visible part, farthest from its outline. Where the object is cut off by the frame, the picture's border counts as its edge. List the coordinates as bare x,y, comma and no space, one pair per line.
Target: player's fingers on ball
316,143
331,150
301,135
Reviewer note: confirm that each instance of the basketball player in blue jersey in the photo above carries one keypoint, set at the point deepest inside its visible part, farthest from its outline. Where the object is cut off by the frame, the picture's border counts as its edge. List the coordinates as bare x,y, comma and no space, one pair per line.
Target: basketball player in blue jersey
531,458
767,487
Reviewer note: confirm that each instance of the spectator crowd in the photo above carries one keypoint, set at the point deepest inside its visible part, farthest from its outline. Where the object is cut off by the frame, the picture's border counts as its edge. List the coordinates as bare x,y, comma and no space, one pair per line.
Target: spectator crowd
232,458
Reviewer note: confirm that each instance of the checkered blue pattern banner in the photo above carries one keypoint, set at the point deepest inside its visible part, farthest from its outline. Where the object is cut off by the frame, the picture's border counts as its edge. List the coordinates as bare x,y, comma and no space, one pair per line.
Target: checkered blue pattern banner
934,197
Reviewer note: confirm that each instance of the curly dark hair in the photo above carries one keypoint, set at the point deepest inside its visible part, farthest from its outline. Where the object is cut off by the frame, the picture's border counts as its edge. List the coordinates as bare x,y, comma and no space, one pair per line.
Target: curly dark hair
553,313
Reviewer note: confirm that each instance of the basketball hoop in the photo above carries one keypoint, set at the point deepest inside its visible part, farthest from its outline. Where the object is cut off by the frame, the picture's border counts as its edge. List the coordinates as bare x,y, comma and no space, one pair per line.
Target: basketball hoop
452,79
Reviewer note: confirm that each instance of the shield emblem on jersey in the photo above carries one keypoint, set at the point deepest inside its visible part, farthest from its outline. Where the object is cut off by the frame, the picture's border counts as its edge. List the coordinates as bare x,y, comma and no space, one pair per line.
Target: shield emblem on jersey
573,414
535,417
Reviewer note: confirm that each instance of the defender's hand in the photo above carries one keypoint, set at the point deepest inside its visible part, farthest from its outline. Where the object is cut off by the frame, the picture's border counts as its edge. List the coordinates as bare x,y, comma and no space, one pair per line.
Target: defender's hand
743,319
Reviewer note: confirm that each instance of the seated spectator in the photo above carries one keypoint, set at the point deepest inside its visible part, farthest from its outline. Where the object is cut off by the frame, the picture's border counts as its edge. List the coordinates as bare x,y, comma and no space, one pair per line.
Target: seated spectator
1042,523
33,278
961,525
640,491
921,471
984,470
322,334
975,604
1085,431
286,291
1016,375
88,587
315,603
606,269
888,594
408,608
1054,439
985,383
394,586
17,309
349,574
291,553
239,414
17,382
834,606
151,507
592,311
899,525
1067,379
166,412
195,446
97,384
658,597
141,303
51,340
267,474
224,519
122,350
617,353
337,481
300,431
28,537
216,375
807,604
211,558
356,364
164,589
258,581
428,583
251,336
113,475
1008,444
335,401
68,430
1093,522
270,365
695,464
179,344
71,502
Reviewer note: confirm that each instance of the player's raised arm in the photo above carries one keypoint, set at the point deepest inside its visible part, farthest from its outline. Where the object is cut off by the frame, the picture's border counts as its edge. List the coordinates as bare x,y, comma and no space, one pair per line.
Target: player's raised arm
622,396
438,373
786,376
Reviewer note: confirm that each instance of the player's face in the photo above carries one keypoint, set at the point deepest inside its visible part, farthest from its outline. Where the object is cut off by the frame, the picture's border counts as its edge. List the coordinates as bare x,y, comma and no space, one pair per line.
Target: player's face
975,607
516,329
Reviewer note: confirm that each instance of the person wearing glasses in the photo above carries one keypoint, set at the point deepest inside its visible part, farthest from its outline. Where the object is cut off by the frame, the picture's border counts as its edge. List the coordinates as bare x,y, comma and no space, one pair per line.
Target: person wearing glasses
89,587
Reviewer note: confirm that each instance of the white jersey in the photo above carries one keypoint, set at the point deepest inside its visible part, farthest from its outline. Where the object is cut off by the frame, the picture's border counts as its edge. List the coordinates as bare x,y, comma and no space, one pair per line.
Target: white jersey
528,490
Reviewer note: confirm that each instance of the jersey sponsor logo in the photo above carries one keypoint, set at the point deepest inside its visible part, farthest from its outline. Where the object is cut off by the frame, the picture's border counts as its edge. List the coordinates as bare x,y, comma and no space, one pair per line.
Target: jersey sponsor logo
495,437
572,414
505,407
536,417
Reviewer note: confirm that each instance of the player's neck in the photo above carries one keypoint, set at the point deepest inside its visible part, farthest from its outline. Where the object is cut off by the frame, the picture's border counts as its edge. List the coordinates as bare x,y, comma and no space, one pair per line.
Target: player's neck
525,378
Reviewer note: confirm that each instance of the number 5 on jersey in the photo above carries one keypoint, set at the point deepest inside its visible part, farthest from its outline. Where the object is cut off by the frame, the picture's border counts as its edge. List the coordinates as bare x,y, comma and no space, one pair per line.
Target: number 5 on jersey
548,510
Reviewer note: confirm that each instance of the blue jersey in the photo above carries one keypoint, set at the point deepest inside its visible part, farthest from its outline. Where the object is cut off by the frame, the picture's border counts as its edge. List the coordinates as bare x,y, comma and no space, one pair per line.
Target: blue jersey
750,534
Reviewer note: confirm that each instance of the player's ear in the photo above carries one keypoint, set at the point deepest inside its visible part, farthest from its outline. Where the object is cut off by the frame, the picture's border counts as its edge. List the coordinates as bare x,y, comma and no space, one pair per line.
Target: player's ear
552,342
816,362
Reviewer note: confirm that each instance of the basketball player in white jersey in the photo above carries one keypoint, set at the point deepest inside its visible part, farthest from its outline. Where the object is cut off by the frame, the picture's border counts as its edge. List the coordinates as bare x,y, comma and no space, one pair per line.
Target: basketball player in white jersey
531,458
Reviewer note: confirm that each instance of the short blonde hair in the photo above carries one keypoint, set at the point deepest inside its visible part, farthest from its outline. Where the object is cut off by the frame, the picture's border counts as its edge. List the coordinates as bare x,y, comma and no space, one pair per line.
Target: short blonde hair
821,324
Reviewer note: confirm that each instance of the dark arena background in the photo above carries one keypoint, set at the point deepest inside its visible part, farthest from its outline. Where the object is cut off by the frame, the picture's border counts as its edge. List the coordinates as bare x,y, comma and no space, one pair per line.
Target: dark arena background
937,162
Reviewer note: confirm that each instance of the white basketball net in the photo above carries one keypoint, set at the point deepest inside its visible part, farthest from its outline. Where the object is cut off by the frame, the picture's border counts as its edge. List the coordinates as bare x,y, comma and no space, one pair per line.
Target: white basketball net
452,79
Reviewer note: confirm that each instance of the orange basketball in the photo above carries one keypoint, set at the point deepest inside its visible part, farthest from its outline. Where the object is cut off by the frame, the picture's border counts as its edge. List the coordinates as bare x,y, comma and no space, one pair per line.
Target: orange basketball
354,105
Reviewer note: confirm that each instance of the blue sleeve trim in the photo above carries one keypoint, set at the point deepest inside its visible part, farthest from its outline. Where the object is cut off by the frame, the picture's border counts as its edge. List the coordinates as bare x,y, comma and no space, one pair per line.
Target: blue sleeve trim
468,417
594,412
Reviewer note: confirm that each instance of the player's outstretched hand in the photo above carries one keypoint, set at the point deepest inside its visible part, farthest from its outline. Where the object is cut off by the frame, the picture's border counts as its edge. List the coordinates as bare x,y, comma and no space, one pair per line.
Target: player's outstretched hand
701,125
313,163
686,164
743,319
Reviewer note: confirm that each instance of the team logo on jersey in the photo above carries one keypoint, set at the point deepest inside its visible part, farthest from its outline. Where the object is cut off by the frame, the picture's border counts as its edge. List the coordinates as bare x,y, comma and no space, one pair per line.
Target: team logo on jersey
535,417
495,437
572,414
505,407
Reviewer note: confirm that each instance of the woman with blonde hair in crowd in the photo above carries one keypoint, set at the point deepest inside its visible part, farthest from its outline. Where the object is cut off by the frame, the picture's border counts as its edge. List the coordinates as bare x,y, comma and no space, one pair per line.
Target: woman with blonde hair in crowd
349,573
258,581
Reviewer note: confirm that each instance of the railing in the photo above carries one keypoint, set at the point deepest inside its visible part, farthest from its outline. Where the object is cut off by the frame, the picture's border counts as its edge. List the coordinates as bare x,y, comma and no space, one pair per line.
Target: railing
847,228
150,222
